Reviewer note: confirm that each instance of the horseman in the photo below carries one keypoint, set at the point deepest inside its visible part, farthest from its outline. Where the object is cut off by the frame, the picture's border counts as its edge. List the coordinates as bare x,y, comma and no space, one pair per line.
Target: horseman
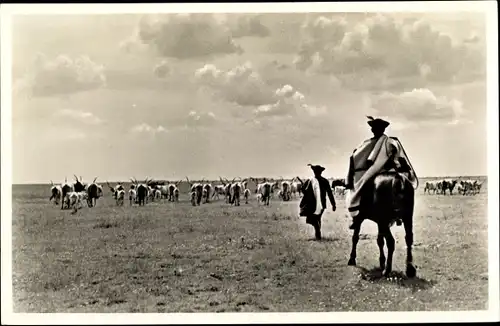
374,156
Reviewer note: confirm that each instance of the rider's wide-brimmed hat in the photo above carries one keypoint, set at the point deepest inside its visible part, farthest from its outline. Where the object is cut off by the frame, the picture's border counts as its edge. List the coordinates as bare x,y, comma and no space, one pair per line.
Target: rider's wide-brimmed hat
377,123
316,168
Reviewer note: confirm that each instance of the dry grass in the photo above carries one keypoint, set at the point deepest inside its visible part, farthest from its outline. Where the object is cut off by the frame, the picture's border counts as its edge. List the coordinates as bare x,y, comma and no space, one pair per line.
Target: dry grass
177,258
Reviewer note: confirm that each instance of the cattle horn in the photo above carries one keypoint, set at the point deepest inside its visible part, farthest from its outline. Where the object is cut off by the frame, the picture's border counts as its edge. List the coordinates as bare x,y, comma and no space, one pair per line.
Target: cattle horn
188,180
51,183
299,180
94,180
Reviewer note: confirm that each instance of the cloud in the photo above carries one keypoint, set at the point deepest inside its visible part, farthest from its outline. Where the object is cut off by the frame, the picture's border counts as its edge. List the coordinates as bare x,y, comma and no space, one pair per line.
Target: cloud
145,128
288,103
186,36
242,84
162,69
248,25
393,49
197,119
417,107
80,116
62,75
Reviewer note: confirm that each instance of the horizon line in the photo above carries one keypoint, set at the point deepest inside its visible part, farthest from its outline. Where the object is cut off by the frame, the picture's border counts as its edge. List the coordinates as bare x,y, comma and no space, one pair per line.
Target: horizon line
216,180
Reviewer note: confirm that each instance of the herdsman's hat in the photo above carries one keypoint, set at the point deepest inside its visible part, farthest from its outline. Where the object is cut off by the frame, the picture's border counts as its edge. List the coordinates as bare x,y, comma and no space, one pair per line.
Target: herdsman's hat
377,123
316,168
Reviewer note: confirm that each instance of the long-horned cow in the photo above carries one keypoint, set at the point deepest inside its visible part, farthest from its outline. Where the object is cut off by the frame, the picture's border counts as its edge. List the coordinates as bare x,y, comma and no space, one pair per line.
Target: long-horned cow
66,188
235,192
94,192
142,191
430,186
285,190
197,189
172,189
264,190
55,193
132,194
218,190
207,191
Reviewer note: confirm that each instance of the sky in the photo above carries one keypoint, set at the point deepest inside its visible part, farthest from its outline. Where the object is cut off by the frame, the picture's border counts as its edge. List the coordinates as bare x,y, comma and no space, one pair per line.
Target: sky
167,96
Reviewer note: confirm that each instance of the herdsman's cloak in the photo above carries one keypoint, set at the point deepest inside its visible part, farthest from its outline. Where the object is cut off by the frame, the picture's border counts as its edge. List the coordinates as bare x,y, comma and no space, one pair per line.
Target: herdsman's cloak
374,156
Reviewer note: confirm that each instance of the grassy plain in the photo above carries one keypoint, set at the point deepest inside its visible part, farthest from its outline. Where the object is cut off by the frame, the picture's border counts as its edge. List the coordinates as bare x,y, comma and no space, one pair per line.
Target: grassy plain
172,257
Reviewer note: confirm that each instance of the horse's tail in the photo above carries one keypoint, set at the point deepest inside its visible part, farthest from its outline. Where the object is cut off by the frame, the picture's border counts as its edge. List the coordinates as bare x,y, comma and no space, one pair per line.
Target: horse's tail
398,188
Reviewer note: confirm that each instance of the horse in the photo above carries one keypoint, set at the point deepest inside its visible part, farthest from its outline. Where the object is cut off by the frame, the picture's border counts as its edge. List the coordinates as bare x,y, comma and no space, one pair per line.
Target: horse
388,197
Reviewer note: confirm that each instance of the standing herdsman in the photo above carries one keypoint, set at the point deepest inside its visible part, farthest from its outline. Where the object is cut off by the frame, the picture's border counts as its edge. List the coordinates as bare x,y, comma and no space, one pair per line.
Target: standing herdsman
374,156
313,203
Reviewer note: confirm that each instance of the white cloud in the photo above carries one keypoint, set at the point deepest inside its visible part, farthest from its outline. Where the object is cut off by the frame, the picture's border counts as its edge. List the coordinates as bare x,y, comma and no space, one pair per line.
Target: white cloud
242,84
186,36
288,103
416,107
145,128
62,75
397,49
200,119
80,116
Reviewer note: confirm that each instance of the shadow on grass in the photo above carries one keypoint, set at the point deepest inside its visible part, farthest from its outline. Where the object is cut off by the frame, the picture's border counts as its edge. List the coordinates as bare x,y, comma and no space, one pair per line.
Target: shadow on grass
374,275
324,239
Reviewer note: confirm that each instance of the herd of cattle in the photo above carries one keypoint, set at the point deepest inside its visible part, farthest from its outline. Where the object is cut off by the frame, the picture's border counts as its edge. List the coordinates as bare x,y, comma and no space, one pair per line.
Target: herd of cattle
463,187
74,195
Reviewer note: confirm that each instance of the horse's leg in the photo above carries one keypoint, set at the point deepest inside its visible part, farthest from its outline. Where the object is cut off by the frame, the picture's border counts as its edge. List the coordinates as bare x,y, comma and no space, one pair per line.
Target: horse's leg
355,239
381,243
390,249
408,225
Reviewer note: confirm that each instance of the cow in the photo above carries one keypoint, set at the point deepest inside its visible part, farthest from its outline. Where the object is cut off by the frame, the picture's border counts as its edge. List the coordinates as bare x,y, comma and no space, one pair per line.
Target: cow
142,191
207,191
55,193
132,195
264,190
218,190
172,188
246,195
197,188
176,194
192,196
113,190
235,191
285,190
120,197
448,185
79,186
477,187
94,192
295,188
430,186
66,188
74,199
340,191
